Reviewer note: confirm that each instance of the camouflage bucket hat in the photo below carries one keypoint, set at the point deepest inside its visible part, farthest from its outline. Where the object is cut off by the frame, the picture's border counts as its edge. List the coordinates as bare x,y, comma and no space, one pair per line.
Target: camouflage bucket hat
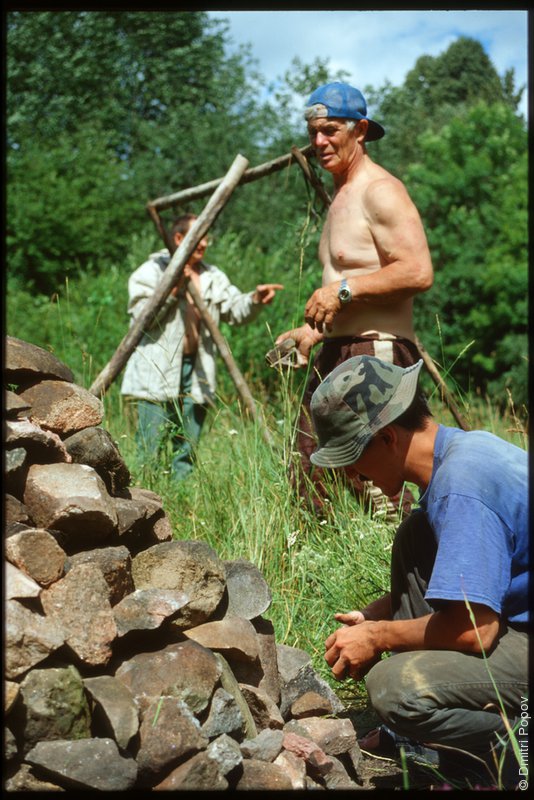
357,399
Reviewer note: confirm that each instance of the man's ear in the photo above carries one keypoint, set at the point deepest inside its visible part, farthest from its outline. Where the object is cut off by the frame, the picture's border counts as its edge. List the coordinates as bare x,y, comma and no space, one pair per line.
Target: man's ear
361,129
388,434
178,237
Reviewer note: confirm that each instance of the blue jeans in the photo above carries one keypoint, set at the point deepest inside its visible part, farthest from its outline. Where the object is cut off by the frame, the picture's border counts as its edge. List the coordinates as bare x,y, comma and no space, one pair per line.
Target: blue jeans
442,696
179,421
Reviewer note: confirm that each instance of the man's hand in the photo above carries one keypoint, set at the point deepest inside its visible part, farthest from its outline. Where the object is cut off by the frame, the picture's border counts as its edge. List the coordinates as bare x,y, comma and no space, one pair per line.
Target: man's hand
305,338
322,307
265,292
351,651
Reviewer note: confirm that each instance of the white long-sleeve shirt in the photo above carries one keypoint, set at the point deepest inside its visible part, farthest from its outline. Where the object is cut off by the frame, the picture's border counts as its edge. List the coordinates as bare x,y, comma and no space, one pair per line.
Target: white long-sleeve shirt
154,368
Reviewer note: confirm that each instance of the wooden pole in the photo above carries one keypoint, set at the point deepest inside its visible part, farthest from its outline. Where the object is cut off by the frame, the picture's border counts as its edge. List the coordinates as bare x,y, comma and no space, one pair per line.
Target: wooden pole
220,342
253,174
427,360
171,275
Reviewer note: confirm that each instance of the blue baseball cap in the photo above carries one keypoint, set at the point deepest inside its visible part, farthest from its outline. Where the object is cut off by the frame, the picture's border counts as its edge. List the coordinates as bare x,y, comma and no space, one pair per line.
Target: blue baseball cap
346,102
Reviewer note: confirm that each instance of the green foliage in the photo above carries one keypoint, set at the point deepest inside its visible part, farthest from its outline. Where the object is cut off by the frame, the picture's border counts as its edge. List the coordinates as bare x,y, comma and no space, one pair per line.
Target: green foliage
475,213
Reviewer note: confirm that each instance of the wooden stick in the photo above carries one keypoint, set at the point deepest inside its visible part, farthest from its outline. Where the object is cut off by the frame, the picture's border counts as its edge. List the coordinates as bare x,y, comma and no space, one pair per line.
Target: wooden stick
171,275
427,360
250,175
440,383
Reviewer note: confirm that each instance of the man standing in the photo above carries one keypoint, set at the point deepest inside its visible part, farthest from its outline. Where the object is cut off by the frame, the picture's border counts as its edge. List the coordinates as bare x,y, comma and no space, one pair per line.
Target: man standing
172,372
456,615
373,250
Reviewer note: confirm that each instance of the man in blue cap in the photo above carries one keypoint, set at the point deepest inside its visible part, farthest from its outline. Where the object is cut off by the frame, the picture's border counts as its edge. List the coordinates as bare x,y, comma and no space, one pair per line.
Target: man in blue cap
456,617
373,250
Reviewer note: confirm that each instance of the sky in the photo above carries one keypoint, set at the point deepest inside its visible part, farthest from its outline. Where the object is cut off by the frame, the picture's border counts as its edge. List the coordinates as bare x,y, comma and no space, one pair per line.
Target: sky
375,46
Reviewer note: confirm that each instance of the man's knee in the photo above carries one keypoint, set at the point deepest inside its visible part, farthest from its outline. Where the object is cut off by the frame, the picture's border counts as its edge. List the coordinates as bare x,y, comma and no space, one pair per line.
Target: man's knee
397,689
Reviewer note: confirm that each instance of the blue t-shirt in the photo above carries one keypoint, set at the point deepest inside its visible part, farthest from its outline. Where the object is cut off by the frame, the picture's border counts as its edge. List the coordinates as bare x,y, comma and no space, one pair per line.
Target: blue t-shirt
477,505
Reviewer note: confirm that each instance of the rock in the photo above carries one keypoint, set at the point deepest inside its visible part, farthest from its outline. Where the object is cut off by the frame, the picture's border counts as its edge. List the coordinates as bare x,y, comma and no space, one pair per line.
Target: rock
248,593
184,670
17,463
25,363
192,567
115,563
234,637
226,752
16,407
338,777
15,511
52,705
118,711
29,639
297,680
24,780
294,767
62,407
199,773
85,764
316,759
262,776
265,746
311,704
71,498
95,447
270,681
42,447
229,683
19,585
264,711
36,553
334,736
79,603
11,692
147,609
224,716
169,733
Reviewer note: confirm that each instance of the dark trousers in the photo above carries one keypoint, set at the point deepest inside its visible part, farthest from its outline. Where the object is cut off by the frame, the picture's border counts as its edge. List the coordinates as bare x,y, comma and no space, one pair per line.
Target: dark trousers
442,696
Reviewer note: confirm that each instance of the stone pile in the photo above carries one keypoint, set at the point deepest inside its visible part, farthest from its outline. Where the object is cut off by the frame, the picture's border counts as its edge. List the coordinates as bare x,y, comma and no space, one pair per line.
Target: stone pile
134,659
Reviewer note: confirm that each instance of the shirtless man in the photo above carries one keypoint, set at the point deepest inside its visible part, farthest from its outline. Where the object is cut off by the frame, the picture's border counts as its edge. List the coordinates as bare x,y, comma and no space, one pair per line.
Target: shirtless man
373,250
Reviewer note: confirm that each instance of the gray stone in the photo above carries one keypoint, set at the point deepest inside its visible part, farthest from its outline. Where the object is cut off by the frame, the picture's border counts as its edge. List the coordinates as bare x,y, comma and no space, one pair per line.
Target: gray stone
192,567
16,467
36,553
264,711
10,745
18,584
15,511
168,734
265,747
95,447
115,563
290,661
117,706
248,593
226,752
262,776
199,773
62,407
29,638
147,609
338,777
229,683
85,764
79,603
51,705
224,716
270,680
26,362
16,408
304,680
184,670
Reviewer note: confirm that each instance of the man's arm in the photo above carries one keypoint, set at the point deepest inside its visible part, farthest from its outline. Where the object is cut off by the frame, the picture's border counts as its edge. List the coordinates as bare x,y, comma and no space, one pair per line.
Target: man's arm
351,651
402,249
305,339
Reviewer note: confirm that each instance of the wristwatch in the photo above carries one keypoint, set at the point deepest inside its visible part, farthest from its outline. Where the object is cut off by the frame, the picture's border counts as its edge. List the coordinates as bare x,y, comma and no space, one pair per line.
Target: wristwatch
344,293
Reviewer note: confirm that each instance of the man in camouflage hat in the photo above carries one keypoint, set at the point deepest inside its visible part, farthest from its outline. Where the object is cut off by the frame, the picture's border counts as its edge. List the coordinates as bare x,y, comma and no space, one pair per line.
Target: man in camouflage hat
459,569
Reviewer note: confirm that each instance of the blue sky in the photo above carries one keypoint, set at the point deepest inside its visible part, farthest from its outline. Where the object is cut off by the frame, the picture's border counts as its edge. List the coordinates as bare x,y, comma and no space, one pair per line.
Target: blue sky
375,46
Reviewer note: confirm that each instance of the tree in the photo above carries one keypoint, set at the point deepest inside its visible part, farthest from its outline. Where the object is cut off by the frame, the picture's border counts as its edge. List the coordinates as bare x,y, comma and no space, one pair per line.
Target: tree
474,206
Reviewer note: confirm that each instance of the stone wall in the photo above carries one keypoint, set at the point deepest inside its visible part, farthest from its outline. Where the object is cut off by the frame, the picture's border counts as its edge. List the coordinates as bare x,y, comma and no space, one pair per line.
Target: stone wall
134,659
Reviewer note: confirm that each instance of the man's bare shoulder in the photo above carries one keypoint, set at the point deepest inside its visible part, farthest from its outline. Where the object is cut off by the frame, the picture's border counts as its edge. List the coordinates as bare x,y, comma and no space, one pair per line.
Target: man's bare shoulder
385,195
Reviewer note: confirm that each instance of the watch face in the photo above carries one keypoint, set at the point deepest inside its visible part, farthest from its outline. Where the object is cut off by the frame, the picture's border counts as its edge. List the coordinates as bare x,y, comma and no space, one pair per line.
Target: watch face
345,295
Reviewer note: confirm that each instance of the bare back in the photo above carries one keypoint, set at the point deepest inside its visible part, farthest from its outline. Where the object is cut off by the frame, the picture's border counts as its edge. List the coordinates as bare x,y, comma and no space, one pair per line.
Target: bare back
361,237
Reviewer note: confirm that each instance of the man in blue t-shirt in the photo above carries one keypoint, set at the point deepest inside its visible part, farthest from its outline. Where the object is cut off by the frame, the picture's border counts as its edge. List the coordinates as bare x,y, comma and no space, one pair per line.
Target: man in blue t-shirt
456,616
